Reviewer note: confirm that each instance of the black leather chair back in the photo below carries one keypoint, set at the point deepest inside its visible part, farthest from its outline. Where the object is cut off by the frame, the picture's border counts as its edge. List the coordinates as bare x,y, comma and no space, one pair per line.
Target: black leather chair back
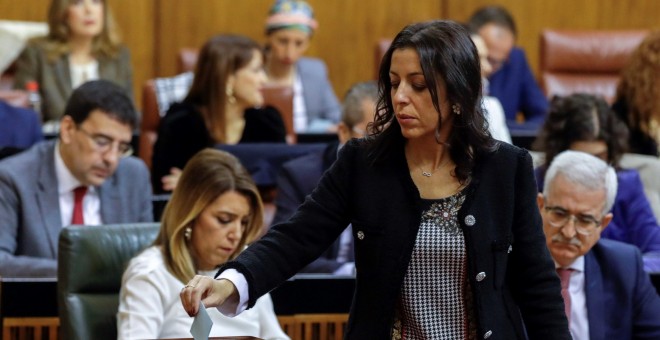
91,262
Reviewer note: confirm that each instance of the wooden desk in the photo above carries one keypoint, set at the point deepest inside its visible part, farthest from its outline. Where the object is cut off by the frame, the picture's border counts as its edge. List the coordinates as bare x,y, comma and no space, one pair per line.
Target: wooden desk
28,308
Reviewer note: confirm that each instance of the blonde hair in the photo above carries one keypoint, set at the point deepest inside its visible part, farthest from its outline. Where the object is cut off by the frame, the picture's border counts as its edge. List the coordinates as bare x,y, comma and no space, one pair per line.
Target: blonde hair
106,44
640,84
208,175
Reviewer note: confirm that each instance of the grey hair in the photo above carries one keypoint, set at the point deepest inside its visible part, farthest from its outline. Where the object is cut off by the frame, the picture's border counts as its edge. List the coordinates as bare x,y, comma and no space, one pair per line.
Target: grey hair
351,111
584,170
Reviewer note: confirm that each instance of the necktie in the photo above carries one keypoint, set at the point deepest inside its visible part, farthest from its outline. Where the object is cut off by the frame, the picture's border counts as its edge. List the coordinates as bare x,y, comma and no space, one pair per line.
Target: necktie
78,195
565,277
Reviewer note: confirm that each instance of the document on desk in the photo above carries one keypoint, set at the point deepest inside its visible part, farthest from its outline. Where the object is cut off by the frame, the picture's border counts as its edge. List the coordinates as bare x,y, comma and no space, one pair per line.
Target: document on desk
201,326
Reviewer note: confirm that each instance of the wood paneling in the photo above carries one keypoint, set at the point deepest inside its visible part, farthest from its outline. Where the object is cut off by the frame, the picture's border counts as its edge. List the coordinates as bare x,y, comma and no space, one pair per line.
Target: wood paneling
155,30
348,30
25,10
190,23
136,19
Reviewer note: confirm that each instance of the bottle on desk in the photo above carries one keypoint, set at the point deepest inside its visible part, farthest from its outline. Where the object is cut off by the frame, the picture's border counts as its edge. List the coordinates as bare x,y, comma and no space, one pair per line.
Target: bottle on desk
34,98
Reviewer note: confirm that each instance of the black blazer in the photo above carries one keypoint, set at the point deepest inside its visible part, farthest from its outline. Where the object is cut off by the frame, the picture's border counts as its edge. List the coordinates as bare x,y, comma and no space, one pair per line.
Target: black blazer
182,133
509,267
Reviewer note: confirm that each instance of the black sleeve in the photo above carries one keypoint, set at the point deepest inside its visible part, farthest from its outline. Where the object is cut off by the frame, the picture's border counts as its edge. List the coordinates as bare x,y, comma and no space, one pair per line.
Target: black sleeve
263,125
181,135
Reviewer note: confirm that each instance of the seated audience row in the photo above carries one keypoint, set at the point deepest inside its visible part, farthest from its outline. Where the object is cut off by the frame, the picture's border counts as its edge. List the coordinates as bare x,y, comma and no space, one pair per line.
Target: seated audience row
585,123
289,29
88,180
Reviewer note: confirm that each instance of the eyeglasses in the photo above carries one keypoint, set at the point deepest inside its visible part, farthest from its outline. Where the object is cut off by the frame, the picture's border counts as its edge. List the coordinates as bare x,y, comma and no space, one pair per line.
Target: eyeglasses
103,144
584,224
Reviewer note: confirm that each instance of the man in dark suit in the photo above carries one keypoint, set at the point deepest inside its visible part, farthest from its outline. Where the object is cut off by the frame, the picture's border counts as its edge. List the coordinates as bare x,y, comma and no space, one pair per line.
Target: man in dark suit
84,177
606,292
300,176
511,79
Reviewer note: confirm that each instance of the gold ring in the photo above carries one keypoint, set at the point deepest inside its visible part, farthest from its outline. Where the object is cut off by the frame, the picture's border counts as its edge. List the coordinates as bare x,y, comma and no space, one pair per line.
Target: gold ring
188,286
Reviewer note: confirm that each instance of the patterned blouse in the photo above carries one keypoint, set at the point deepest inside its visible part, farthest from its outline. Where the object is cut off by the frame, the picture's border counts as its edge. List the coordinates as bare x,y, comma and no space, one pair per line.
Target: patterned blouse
435,300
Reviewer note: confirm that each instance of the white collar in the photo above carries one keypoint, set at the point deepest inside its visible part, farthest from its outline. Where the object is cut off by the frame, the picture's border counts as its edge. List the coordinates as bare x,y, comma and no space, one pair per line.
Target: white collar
66,182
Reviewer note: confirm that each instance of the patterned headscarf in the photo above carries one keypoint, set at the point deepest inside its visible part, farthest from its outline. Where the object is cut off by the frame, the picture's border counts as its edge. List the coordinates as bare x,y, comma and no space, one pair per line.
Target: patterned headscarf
295,14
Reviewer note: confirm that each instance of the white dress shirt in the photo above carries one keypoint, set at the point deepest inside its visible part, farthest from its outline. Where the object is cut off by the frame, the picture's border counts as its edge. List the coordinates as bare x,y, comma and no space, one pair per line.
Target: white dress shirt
66,182
496,119
299,108
579,322
81,74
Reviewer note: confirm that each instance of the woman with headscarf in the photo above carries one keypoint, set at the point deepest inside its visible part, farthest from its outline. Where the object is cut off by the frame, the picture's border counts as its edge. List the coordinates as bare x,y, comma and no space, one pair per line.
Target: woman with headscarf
289,29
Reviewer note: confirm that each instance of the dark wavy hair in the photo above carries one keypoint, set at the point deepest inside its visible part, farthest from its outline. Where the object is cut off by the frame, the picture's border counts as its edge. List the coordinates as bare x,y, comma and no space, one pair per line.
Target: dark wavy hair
445,51
581,118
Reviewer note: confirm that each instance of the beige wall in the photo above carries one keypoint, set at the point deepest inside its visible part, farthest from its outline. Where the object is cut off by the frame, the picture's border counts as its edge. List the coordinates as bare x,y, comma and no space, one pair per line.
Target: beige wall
155,30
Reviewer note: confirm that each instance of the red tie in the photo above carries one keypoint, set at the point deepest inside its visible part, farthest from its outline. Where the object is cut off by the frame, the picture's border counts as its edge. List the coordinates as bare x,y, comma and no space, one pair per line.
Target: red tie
565,277
78,195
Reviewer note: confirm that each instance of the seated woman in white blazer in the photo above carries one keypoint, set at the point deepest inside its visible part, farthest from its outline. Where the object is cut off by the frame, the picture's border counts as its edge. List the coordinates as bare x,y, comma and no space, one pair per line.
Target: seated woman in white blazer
214,212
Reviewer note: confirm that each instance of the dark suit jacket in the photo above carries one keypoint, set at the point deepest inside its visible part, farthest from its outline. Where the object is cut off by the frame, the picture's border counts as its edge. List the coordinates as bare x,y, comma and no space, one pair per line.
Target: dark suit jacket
54,77
509,268
295,181
621,301
514,85
182,133
30,221
19,127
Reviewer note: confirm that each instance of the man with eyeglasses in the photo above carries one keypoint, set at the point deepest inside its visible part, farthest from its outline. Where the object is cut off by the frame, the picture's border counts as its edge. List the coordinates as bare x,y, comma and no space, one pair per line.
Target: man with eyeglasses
607,293
300,176
82,178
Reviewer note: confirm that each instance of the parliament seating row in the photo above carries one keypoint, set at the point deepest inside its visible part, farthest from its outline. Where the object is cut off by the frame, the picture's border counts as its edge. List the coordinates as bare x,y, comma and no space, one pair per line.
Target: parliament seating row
82,302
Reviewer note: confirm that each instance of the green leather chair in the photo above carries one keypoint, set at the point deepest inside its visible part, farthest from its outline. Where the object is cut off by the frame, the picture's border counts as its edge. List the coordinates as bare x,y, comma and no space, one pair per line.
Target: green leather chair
91,262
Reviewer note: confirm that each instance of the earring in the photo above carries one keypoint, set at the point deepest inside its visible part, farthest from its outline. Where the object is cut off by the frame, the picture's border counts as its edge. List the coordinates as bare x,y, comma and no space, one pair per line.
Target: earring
230,96
187,233
456,108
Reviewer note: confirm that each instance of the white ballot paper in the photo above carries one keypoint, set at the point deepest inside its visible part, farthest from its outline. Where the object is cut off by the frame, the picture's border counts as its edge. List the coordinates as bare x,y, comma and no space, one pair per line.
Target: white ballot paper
201,327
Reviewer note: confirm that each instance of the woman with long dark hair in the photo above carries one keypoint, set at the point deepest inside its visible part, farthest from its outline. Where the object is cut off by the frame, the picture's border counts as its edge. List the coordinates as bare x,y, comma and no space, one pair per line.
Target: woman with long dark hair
448,237
219,108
